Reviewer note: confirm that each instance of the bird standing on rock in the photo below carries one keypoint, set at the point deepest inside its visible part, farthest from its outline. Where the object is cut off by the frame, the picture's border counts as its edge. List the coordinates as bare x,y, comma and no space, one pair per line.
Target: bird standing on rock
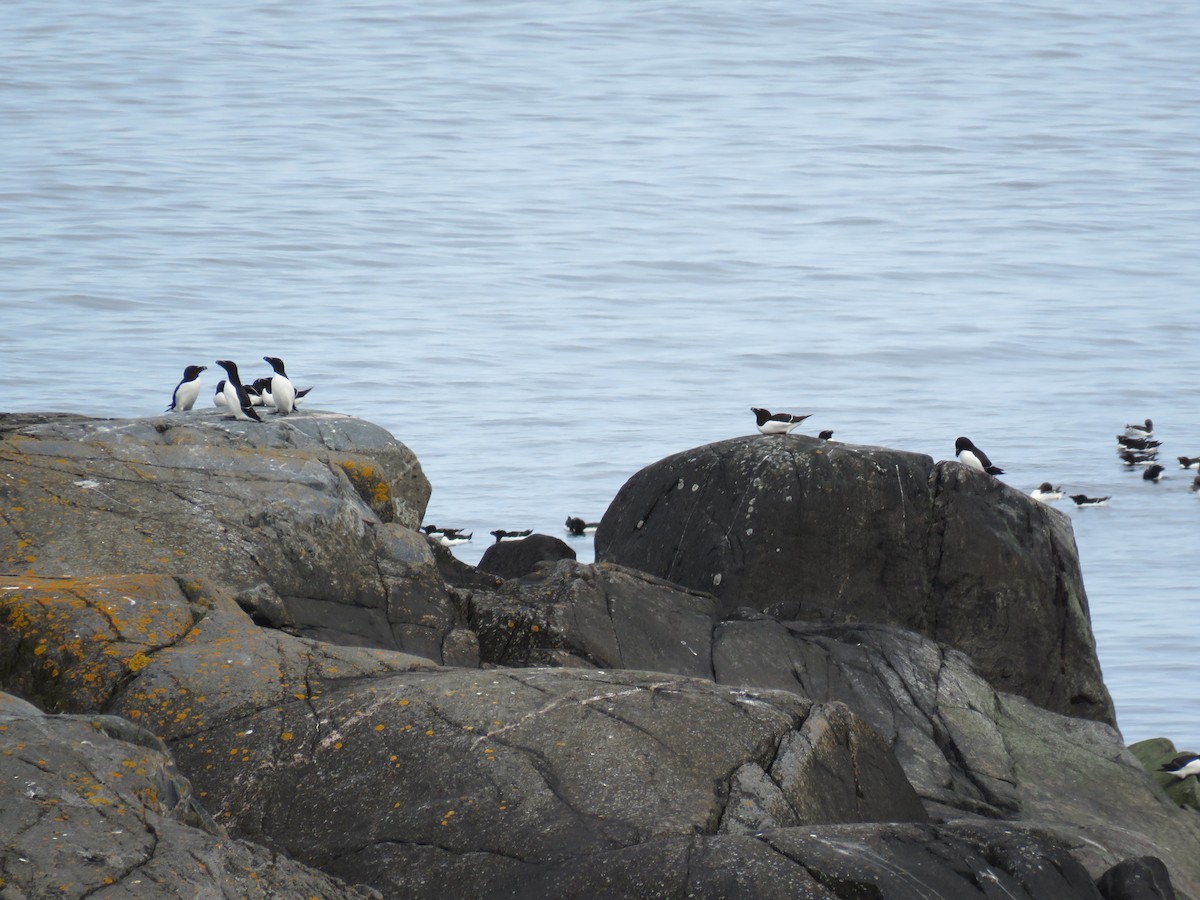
237,401
972,456
775,423
1183,765
283,392
188,389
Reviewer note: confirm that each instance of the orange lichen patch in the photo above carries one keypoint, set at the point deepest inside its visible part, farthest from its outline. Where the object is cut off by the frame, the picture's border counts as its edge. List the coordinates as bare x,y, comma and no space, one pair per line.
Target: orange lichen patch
83,635
369,482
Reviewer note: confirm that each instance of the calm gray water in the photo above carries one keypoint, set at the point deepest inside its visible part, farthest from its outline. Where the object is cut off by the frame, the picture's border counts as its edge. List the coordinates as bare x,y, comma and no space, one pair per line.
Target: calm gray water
546,244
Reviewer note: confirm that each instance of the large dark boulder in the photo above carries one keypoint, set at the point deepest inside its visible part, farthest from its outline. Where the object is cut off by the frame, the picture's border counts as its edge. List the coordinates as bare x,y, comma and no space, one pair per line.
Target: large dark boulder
310,516
512,559
827,532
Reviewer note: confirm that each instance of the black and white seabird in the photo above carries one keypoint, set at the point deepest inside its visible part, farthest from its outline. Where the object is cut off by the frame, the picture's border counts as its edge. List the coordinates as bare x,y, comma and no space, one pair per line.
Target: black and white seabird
260,392
578,527
775,423
501,535
283,392
1139,459
1196,483
1189,462
1140,431
188,389
1084,500
237,401
825,435
219,396
970,455
448,537
1046,491
254,392
1135,443
1183,765
1154,473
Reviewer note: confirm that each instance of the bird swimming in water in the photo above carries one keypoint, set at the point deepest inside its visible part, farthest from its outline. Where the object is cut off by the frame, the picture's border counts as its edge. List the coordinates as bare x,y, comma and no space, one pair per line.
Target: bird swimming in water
1131,458
1047,491
1189,462
1154,473
578,527
501,535
283,392
184,396
972,456
237,401
1084,500
448,537
826,435
775,423
1134,443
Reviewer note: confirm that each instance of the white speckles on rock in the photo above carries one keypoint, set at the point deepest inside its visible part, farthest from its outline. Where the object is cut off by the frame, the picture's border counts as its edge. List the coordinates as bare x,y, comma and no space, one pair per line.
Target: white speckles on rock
695,487
679,486
640,523
717,579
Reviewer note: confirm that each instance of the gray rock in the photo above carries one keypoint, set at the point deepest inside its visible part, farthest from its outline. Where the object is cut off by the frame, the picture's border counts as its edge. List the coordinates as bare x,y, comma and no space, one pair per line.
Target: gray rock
1144,878
602,616
512,559
836,533
94,806
310,517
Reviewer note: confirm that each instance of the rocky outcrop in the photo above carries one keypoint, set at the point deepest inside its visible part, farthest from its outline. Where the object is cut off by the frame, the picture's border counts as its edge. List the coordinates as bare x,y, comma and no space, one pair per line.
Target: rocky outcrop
94,807
310,516
678,746
512,559
818,531
967,749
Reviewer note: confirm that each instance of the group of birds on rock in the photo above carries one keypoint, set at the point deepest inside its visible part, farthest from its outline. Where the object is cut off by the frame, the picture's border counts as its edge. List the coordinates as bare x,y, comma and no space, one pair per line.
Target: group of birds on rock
275,391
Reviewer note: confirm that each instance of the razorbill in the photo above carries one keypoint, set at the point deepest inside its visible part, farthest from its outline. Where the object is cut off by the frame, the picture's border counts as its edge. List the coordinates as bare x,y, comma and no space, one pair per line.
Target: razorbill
262,388
825,435
1047,491
447,537
1084,500
187,390
1135,443
283,392
237,401
777,423
1196,483
1189,462
1140,431
972,456
219,396
502,535
254,392
1183,765
578,527
1154,473
1138,459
